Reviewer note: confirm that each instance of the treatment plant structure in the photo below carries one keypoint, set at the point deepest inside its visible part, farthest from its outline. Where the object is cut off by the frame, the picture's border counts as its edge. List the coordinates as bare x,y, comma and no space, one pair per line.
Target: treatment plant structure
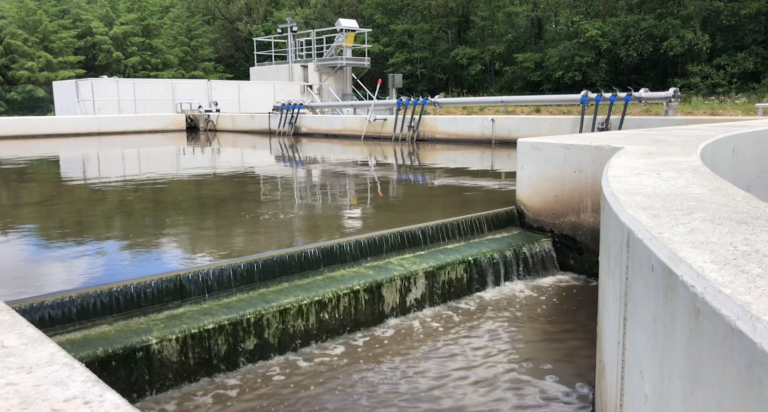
669,213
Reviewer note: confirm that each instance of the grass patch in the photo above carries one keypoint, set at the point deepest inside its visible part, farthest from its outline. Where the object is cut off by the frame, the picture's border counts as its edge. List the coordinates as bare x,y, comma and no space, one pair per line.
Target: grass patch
693,105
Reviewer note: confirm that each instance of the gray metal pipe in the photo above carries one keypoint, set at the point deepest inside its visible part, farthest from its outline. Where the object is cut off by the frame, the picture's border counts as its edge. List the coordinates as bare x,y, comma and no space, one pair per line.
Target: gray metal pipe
671,96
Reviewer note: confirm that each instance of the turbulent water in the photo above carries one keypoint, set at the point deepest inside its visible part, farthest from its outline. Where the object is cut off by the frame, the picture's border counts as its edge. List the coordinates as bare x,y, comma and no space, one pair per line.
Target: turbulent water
528,345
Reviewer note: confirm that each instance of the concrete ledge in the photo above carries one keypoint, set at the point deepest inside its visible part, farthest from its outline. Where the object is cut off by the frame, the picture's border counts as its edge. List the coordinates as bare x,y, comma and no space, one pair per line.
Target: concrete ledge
503,129
146,355
683,313
78,125
38,376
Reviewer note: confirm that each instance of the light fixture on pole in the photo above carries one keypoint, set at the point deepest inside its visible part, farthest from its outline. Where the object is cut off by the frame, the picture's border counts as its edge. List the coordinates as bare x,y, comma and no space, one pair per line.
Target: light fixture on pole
289,27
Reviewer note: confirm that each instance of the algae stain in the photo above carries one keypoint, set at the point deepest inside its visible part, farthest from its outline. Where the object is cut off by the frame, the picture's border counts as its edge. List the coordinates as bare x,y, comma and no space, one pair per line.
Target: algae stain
391,292
418,289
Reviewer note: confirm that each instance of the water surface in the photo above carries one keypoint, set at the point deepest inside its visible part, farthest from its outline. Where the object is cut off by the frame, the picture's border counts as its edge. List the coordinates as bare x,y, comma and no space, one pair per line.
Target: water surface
526,346
83,211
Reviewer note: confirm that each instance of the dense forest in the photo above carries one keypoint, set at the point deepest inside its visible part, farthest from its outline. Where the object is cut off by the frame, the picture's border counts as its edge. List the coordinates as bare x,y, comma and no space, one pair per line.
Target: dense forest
459,47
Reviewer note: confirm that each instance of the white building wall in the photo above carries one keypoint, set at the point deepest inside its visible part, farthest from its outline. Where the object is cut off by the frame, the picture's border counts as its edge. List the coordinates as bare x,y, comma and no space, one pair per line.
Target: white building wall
160,96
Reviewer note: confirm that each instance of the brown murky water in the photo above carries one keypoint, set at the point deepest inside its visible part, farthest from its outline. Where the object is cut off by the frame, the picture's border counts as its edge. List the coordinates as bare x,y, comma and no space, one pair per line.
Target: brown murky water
83,211
526,346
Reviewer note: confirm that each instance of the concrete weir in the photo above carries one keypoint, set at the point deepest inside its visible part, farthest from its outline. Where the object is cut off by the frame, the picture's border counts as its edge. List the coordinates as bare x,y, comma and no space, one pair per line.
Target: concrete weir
678,219
53,313
141,356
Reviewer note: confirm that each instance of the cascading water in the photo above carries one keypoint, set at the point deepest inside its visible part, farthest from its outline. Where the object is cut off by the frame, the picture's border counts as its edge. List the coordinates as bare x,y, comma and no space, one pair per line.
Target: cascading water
60,312
144,355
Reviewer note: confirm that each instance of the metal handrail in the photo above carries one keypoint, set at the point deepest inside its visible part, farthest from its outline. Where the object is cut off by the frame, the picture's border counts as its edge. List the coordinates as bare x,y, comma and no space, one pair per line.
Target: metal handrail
670,97
306,45
370,95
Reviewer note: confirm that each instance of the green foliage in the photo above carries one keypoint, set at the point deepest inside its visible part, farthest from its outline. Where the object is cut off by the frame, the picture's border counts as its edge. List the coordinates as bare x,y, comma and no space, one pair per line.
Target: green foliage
456,47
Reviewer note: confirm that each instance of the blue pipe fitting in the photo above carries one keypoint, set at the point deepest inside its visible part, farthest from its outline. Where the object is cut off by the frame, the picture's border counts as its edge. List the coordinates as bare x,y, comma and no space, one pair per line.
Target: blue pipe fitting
407,102
399,102
584,99
424,102
612,99
598,98
627,98
282,106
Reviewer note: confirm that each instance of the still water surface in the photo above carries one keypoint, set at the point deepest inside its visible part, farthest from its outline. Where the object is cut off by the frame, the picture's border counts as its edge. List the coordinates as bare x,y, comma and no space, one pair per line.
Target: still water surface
526,346
83,211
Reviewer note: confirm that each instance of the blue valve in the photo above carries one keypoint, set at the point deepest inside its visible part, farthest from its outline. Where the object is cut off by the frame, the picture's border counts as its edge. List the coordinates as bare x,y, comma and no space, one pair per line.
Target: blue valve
598,98
424,102
612,99
627,98
399,102
584,99
407,102
282,106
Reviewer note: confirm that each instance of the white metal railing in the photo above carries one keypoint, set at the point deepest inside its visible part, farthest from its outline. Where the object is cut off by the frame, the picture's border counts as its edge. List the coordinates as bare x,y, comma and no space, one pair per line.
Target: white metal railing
311,45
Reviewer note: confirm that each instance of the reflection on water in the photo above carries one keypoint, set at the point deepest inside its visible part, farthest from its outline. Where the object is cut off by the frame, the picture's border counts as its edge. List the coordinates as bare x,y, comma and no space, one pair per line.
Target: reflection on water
78,212
527,345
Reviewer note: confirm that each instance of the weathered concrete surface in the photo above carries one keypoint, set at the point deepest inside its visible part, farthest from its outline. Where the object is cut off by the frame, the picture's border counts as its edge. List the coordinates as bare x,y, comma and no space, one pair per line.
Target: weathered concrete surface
460,128
38,376
683,313
76,125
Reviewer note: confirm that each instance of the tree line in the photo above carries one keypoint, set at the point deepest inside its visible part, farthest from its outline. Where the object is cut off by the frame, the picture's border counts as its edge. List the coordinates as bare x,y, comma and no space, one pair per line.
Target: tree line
459,47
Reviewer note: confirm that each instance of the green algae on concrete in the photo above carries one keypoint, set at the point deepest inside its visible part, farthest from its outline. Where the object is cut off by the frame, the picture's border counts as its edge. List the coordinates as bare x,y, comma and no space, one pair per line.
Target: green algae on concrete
60,311
141,356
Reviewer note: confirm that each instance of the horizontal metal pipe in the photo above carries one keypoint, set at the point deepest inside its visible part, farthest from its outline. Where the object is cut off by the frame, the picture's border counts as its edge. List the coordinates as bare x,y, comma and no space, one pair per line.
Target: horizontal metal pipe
671,96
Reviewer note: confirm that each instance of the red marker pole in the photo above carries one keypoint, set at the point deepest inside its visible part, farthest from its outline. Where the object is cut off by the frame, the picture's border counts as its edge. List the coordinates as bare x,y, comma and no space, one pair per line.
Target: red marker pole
370,112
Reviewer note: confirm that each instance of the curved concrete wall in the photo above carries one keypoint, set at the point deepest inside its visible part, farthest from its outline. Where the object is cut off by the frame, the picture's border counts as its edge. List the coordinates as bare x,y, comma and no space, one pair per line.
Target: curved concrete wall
683,295
741,160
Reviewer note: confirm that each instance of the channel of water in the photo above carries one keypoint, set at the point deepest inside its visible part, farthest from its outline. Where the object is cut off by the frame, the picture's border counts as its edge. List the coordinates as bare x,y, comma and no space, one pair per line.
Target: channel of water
527,345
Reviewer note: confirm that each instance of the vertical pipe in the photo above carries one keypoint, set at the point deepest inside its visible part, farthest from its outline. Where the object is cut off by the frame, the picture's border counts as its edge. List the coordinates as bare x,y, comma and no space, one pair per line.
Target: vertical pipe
410,121
397,114
584,101
627,99
418,122
598,99
280,120
402,123
296,120
611,100
285,121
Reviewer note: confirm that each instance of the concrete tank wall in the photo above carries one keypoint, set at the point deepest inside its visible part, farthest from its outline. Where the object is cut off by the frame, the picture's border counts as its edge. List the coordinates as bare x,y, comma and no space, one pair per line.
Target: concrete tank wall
741,160
682,316
504,129
77,125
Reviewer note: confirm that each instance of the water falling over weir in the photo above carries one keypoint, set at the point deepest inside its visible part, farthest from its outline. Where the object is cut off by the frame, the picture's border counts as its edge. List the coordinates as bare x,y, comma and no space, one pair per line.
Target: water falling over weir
62,311
146,355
